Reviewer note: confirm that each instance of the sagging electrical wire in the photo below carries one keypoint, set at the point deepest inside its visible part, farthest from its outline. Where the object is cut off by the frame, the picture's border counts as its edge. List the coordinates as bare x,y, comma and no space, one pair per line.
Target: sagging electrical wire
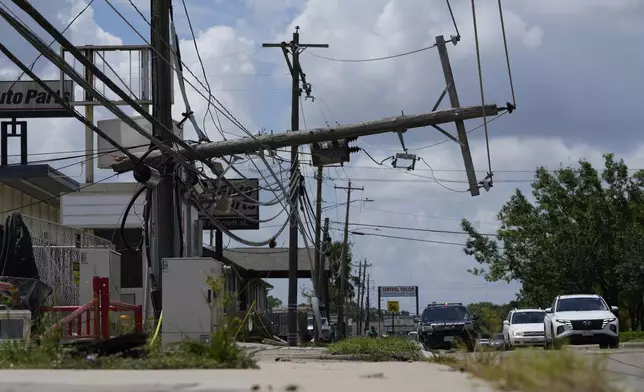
507,55
375,58
480,72
190,115
203,68
69,25
64,66
89,157
229,233
222,110
71,72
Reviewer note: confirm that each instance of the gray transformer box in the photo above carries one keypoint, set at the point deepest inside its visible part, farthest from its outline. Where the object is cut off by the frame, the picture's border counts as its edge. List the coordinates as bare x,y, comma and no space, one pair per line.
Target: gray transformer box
191,308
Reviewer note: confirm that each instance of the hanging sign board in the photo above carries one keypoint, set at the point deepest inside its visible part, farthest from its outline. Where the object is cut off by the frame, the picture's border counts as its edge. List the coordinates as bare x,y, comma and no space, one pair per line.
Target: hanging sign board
243,215
397,291
27,99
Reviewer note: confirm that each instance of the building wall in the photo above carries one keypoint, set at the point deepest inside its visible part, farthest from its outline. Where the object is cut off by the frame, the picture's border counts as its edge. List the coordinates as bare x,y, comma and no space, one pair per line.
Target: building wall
12,199
101,206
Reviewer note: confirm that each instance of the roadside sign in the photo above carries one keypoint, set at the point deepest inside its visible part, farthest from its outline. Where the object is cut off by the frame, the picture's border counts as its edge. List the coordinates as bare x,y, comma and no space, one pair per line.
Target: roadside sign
241,207
397,291
393,306
27,99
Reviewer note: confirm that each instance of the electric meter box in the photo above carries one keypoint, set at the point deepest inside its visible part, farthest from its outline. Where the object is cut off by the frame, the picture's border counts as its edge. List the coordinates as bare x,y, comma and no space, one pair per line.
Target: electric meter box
191,309
102,262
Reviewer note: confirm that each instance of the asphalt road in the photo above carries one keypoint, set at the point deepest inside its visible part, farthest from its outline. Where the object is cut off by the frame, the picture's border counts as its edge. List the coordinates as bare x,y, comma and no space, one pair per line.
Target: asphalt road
625,364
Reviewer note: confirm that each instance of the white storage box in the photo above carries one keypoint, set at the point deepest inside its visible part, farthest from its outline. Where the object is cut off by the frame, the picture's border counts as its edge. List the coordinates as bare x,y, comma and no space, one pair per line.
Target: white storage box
15,325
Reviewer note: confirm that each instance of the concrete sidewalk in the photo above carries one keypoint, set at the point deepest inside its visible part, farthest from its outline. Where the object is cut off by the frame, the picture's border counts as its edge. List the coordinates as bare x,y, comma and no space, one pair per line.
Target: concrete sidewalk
278,376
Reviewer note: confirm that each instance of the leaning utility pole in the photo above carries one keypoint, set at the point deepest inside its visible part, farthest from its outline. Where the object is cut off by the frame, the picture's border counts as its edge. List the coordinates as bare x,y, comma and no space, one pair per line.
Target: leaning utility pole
295,69
163,219
367,311
343,263
322,277
358,291
361,296
318,229
460,125
253,144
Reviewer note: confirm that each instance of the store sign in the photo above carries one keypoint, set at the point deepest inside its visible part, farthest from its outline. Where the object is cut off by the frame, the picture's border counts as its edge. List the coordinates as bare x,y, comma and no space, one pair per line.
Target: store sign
27,99
244,214
397,291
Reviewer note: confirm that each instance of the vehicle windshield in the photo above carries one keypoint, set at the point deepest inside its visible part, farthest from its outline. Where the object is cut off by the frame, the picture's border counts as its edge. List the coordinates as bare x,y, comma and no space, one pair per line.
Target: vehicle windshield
446,313
498,336
580,304
528,317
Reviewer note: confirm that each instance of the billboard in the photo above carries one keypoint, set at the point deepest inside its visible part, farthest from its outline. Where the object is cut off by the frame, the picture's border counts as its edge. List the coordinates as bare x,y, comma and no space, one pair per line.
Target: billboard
397,291
27,99
234,220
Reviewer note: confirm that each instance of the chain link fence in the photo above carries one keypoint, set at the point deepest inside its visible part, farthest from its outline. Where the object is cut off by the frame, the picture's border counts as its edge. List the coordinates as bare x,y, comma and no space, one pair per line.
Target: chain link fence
58,252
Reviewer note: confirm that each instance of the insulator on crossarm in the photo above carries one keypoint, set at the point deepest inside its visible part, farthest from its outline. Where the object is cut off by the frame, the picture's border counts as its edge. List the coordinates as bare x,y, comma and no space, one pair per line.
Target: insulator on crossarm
354,149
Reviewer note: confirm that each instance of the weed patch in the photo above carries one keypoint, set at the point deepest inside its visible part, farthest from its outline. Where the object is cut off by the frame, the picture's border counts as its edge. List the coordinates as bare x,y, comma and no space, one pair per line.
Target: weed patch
631,336
378,349
221,350
534,370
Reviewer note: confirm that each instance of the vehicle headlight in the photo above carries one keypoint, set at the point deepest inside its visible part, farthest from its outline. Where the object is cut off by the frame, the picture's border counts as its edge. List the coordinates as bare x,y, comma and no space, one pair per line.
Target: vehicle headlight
567,323
607,321
517,333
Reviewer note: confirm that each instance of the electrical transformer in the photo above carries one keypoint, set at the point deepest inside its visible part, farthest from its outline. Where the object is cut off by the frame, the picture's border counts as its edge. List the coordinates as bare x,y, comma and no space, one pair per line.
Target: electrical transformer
192,308
102,262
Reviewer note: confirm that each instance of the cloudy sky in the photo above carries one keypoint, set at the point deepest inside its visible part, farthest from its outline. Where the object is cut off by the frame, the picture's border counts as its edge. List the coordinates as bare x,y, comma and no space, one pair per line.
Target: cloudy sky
576,66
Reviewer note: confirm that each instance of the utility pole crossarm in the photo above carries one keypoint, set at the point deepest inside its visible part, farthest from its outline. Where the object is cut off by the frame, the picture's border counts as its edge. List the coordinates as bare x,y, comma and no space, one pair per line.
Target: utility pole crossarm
287,139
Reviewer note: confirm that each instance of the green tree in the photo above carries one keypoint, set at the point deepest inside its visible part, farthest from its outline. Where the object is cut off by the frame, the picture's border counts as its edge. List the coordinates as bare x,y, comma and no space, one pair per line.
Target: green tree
351,282
273,302
580,233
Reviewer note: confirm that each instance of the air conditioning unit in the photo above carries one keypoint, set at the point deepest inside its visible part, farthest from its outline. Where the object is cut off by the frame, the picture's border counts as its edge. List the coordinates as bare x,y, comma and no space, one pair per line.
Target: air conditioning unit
102,262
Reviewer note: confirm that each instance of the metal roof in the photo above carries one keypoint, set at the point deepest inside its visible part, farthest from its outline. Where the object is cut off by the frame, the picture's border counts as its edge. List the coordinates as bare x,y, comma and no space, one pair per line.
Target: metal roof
42,182
269,262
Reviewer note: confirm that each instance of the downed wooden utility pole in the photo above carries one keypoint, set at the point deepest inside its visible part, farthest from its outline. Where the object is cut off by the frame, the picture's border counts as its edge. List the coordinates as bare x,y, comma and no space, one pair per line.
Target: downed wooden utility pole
286,139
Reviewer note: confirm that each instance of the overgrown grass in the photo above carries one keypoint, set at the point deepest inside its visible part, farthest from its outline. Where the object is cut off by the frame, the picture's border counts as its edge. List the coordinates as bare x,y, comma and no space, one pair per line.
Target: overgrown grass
378,349
221,351
193,355
529,370
631,336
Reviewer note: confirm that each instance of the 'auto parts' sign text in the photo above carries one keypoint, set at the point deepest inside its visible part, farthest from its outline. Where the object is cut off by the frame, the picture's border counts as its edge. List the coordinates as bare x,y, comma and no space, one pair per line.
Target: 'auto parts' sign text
27,99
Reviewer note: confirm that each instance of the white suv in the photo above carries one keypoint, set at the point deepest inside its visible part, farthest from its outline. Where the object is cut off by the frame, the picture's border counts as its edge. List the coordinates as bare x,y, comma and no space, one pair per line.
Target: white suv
581,319
523,327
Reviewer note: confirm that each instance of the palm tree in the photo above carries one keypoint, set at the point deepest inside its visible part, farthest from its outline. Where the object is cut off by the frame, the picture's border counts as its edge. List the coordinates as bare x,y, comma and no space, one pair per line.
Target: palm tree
351,281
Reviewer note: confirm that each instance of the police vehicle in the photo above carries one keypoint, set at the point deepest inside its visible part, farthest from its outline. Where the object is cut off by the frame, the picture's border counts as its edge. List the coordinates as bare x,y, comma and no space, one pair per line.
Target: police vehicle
444,325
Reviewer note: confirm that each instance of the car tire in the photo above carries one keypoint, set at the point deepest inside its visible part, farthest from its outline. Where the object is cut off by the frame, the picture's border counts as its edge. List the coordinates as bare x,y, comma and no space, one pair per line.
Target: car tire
603,346
614,344
545,340
554,343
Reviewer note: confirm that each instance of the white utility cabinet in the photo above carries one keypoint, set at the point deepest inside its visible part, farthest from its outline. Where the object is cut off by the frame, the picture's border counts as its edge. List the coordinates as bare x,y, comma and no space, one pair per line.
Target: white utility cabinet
102,262
15,325
190,307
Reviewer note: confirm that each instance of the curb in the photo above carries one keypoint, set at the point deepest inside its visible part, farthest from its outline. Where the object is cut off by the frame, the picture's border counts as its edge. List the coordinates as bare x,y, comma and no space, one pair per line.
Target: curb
621,345
324,357
632,344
